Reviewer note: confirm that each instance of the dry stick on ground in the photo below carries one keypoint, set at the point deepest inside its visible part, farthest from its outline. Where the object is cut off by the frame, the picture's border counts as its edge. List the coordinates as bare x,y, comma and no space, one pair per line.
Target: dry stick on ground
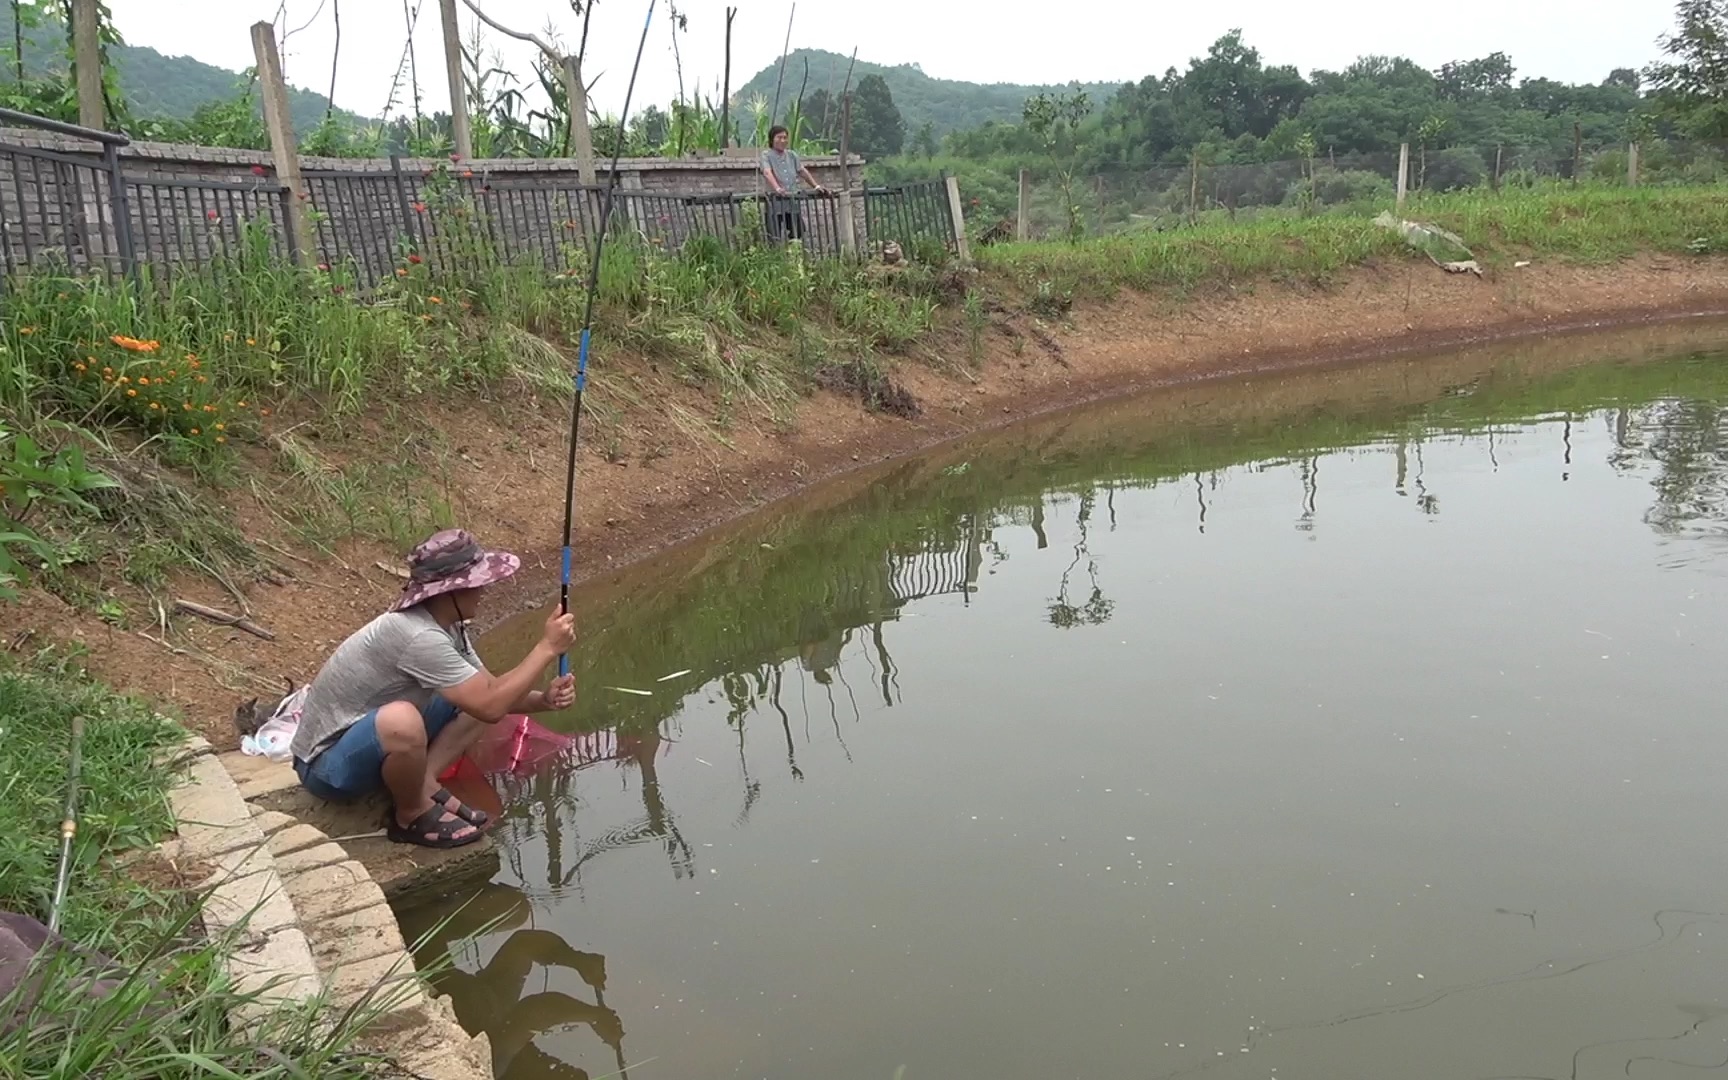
238,622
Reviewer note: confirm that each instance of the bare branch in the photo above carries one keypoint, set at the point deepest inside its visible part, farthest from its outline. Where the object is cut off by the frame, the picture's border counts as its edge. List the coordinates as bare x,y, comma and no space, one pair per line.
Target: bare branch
517,34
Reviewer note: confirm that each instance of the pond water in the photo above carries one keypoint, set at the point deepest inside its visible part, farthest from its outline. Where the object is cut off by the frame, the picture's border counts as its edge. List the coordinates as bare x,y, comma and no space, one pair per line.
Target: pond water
1353,723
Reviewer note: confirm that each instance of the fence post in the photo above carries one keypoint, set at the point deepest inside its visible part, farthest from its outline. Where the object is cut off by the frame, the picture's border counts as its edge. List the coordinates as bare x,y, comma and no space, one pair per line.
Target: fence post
281,125
410,225
1498,152
120,209
1023,219
460,132
958,214
1577,150
1403,175
87,60
1632,151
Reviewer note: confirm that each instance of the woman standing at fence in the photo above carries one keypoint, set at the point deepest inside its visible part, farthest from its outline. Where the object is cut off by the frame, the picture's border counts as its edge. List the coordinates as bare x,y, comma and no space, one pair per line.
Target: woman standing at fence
782,167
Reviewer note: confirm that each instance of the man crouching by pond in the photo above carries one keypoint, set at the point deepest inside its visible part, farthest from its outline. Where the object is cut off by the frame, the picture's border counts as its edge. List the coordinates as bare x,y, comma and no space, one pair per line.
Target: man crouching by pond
400,700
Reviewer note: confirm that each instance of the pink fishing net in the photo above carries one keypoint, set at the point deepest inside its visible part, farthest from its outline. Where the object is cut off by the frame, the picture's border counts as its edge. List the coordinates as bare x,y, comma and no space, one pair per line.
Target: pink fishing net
516,745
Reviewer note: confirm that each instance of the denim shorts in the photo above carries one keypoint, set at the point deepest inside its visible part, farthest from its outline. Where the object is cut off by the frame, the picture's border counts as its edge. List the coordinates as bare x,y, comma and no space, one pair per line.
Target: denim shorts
354,765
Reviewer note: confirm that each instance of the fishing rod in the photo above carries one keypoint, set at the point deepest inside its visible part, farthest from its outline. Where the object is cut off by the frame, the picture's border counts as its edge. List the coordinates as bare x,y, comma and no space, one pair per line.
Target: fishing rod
68,825
587,329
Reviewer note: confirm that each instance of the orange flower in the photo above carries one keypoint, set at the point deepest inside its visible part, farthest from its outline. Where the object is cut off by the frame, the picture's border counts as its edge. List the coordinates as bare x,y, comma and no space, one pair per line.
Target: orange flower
251,341
107,371
132,344
172,373
131,393
263,412
186,407
192,361
154,405
143,381
209,408
122,381
242,405
221,427
195,431
434,300
79,368
401,271
202,379
26,330
221,438
192,358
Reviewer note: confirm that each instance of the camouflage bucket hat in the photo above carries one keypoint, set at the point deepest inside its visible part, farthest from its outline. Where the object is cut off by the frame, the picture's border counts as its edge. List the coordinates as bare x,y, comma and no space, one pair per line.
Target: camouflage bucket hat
452,560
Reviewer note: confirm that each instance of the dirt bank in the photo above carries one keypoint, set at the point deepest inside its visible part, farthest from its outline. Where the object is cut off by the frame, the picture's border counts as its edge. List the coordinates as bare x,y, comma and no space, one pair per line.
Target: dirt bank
666,471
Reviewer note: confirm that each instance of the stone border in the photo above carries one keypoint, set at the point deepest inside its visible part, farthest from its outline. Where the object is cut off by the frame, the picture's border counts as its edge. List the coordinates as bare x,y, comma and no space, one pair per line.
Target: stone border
307,921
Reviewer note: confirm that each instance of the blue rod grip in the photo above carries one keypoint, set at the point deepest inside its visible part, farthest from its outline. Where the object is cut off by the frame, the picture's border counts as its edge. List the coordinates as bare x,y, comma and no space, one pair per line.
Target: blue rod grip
582,362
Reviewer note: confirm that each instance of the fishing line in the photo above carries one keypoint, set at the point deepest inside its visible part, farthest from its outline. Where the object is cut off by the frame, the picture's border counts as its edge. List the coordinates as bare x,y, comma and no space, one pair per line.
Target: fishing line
588,325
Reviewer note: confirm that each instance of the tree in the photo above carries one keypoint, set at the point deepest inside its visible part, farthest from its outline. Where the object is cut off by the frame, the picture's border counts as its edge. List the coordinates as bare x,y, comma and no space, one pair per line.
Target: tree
1056,120
877,128
1692,86
924,143
1467,78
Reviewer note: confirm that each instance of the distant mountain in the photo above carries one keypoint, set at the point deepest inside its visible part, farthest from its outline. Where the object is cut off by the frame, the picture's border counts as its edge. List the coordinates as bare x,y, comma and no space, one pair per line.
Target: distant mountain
946,104
156,85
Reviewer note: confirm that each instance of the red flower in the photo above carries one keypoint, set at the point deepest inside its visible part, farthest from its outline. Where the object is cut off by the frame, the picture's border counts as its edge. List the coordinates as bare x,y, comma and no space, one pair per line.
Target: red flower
419,208
324,267
415,259
258,170
212,215
455,157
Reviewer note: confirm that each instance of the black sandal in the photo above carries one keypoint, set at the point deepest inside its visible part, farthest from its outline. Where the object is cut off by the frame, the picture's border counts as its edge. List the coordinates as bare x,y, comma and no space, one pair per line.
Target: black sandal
476,818
432,821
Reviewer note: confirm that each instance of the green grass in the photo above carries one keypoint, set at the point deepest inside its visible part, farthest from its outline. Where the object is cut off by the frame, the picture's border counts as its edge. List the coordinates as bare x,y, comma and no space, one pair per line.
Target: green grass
168,1018
1584,224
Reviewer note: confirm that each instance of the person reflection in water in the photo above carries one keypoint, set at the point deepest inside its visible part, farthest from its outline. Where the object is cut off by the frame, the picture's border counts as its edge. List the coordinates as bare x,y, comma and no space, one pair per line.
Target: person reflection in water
400,700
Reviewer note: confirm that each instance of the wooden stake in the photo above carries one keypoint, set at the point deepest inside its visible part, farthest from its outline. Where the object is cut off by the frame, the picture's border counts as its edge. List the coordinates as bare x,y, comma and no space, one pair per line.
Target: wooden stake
726,86
1498,152
1194,188
785,52
280,124
87,63
1577,150
1632,154
846,142
459,126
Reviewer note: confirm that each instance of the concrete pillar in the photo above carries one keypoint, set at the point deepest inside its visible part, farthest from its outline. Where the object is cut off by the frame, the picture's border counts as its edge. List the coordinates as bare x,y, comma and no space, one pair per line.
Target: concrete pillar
960,243
1023,223
1403,175
581,135
279,122
87,59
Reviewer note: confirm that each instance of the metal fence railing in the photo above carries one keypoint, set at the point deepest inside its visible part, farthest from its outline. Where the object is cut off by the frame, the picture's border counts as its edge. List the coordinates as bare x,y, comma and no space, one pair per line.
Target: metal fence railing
93,211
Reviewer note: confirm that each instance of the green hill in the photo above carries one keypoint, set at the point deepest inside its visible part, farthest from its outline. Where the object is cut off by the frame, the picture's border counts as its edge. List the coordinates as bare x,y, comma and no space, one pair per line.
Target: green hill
946,104
154,85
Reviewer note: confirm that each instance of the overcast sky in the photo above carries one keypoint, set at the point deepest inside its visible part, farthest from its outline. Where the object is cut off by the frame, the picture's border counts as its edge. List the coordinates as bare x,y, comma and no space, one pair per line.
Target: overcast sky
1003,41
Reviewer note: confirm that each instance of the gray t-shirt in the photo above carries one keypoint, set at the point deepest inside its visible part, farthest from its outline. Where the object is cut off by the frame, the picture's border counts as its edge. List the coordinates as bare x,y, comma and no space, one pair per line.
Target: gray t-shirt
399,656
785,167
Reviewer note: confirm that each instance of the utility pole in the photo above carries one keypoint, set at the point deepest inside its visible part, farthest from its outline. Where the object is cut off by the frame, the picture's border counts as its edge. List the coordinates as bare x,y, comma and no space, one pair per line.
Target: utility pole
459,129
